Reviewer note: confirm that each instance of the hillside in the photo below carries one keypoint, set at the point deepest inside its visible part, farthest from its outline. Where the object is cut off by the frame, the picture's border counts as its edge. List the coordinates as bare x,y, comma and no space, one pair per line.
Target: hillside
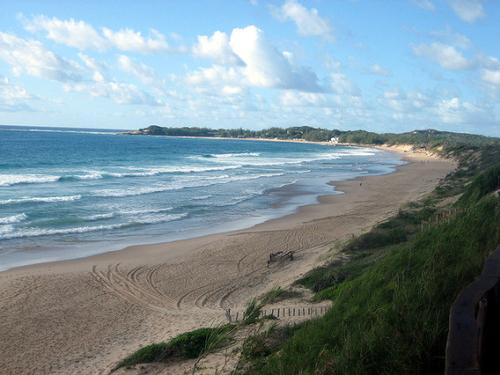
421,138
392,296
393,286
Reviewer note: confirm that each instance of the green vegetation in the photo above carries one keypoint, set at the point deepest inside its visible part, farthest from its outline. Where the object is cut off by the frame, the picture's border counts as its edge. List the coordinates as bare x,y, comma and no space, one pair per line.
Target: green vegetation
303,132
184,346
391,297
278,294
252,312
393,289
257,348
451,144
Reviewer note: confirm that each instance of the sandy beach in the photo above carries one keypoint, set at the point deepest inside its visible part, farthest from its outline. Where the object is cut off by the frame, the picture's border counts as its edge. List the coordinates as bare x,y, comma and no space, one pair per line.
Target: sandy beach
82,316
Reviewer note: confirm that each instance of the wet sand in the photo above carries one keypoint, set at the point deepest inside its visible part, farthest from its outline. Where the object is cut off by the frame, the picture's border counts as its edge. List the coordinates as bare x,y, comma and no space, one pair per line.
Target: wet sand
82,316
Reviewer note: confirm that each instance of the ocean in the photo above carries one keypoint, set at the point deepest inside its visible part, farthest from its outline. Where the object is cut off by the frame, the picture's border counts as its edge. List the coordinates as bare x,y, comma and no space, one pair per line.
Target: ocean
68,193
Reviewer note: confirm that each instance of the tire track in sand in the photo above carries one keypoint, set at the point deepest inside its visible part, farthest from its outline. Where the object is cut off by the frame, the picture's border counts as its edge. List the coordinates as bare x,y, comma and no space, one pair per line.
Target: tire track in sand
136,286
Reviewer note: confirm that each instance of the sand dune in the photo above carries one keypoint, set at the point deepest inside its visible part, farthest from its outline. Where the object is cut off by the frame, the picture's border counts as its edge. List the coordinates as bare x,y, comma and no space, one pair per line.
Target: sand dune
82,316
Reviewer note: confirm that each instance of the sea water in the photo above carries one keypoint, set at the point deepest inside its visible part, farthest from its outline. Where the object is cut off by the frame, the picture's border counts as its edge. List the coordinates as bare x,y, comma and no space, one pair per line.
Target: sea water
67,193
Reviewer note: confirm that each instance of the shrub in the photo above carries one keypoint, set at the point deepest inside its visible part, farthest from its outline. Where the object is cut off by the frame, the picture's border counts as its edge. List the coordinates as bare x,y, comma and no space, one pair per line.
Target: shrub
278,294
186,345
252,312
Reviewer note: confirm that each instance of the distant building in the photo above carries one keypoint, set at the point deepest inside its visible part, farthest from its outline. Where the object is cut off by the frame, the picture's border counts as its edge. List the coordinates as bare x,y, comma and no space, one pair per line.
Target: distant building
334,140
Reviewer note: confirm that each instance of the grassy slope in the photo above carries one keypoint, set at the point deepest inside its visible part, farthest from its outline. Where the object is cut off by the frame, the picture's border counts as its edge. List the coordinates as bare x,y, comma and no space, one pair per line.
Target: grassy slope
392,300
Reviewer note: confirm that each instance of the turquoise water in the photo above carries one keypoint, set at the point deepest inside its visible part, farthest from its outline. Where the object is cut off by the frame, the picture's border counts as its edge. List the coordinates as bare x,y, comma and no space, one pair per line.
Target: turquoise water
70,193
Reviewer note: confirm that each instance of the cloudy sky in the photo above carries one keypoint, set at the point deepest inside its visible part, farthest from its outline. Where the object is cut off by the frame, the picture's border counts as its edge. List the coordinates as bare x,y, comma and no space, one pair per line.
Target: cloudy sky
382,65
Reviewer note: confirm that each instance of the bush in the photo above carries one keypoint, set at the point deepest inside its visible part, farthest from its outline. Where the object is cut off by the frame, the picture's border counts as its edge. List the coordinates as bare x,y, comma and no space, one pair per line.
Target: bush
184,346
252,312
378,238
278,294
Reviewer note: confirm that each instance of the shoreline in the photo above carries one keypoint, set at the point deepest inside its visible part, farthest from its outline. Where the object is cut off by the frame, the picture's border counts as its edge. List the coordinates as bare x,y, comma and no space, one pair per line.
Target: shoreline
83,315
228,228
406,150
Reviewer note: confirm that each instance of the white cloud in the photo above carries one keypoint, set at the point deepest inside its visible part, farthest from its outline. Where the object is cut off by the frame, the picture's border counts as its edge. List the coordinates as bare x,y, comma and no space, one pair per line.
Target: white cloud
265,66
131,40
292,98
216,47
342,85
491,76
81,35
143,72
31,57
10,92
425,4
445,55
490,70
468,10
308,21
214,74
13,97
119,92
78,34
101,85
379,70
404,104
450,37
456,111
436,110
232,90
218,79
246,58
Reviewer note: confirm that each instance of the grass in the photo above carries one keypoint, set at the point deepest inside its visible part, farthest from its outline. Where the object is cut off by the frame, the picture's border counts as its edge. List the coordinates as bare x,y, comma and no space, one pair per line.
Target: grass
252,312
369,247
184,346
392,298
257,348
278,294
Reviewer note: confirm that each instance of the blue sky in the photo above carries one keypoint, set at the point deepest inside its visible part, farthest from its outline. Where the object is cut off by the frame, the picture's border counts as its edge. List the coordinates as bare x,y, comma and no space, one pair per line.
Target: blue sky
361,64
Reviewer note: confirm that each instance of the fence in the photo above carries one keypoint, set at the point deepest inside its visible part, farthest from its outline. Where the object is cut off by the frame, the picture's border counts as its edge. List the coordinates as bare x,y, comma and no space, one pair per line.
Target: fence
282,312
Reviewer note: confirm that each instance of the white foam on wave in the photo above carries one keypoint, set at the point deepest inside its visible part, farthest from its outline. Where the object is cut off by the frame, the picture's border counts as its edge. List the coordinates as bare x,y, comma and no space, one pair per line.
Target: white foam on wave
6,229
251,159
201,197
145,211
236,155
356,152
90,175
65,198
8,232
36,232
155,218
97,217
183,169
16,179
13,219
184,183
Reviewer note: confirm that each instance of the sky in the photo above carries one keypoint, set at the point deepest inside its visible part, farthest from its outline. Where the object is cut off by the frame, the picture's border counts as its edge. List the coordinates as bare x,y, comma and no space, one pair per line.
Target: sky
378,65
